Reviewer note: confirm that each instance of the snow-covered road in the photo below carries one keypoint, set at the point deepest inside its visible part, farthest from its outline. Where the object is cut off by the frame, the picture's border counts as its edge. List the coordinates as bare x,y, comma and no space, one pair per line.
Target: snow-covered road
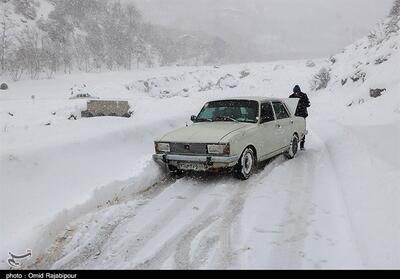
291,214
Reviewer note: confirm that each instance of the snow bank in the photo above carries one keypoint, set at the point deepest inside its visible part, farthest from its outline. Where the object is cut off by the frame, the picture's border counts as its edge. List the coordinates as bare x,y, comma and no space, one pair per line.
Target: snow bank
50,179
361,140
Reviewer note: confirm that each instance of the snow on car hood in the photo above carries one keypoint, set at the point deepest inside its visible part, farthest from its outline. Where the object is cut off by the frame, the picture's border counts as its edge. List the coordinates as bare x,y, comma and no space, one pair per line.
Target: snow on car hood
205,132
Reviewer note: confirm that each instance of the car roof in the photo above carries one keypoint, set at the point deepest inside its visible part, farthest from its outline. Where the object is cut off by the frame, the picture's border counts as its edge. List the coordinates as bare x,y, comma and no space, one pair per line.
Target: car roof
257,99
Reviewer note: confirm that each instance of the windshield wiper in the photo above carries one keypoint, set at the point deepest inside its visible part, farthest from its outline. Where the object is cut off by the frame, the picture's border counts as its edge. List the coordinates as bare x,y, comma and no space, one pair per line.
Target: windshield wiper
203,120
226,118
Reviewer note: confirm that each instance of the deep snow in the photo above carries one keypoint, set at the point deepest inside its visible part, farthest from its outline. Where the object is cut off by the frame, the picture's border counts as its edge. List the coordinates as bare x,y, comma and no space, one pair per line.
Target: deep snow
85,193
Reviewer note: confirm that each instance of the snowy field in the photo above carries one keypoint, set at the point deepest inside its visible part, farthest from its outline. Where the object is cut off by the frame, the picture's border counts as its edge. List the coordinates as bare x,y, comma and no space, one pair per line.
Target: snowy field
85,193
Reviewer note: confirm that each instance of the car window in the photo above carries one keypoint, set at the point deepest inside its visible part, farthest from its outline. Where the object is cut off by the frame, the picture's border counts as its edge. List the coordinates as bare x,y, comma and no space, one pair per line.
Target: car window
267,114
230,110
280,111
209,113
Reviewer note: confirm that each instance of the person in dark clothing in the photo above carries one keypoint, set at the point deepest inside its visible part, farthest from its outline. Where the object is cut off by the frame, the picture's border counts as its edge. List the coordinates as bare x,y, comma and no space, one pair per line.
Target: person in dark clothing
301,110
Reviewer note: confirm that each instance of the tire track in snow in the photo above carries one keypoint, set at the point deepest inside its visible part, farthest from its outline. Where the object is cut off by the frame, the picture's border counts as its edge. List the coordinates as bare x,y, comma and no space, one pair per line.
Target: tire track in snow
314,177
79,257
218,237
180,246
224,233
345,204
89,253
288,247
54,253
217,217
180,243
160,221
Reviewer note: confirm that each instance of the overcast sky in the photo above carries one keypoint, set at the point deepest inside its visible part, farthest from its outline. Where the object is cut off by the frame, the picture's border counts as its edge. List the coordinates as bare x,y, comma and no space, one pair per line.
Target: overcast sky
262,30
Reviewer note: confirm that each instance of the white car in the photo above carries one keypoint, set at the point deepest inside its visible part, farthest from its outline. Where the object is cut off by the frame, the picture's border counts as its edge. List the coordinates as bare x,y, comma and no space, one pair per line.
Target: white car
233,134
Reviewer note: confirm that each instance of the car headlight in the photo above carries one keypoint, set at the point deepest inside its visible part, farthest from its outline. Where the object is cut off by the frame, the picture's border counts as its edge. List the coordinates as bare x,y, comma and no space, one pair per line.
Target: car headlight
219,149
162,147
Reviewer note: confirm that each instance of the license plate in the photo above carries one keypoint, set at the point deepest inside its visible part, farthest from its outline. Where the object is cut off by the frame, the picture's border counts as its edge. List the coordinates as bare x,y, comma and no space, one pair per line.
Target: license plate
192,166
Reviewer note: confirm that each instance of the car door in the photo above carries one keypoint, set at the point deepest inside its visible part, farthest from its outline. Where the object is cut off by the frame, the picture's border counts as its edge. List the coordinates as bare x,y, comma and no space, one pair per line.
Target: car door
269,133
284,124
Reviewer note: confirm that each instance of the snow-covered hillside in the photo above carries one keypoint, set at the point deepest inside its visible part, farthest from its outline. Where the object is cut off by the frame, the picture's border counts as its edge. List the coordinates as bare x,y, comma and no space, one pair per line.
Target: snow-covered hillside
24,13
42,38
18,16
85,193
369,64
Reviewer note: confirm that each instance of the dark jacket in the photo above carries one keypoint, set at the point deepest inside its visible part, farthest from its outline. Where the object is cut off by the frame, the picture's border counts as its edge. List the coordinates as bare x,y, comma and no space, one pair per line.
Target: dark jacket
304,103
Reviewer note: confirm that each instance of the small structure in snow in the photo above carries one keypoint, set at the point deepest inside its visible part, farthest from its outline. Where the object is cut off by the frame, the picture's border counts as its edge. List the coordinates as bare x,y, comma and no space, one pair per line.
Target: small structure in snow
375,93
310,64
97,108
244,73
83,96
382,59
358,75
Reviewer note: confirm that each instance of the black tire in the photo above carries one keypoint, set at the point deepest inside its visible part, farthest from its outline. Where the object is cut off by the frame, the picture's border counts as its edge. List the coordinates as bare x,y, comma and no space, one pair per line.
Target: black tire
293,148
246,165
4,86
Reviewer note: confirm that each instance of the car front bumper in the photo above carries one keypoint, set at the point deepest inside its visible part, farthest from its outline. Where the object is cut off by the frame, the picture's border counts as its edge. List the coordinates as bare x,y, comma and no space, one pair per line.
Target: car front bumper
204,163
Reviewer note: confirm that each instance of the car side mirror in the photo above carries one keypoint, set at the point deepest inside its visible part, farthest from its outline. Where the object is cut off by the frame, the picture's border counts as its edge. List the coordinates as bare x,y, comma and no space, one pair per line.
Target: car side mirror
193,118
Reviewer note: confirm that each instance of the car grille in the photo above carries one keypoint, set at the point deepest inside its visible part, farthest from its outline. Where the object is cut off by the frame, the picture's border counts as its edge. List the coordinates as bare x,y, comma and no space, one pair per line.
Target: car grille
188,148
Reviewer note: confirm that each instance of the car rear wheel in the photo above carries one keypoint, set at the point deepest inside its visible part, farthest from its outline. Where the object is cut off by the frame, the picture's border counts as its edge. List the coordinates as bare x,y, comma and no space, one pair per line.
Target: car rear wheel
294,147
244,168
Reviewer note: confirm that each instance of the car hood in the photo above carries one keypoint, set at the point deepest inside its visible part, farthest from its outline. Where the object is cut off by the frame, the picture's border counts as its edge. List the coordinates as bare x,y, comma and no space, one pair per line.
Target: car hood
205,132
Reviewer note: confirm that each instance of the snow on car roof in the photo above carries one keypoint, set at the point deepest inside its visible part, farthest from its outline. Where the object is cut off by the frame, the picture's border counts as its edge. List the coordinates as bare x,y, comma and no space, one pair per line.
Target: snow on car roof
257,99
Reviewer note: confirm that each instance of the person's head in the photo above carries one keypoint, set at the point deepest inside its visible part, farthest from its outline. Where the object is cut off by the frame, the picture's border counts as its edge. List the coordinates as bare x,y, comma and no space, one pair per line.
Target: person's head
296,89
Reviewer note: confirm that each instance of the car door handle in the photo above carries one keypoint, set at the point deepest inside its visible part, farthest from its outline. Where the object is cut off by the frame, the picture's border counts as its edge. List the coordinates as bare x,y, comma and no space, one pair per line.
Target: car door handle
291,121
278,126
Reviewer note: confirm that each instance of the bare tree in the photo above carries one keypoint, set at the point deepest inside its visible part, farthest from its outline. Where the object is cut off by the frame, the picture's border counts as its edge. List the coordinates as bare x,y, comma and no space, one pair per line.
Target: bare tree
50,57
393,24
30,52
93,35
133,17
7,26
25,8
320,79
395,12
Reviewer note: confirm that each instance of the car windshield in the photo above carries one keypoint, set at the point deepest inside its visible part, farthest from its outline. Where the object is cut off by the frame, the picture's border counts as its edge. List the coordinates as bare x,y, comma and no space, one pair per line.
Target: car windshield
229,110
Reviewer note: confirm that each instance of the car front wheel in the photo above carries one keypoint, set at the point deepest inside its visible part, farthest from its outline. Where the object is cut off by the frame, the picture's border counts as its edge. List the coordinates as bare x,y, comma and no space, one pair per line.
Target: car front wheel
246,164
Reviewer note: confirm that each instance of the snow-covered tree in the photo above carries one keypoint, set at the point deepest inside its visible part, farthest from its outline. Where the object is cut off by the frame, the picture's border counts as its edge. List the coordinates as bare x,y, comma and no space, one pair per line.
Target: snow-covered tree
25,8
393,24
395,12
7,25
92,35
